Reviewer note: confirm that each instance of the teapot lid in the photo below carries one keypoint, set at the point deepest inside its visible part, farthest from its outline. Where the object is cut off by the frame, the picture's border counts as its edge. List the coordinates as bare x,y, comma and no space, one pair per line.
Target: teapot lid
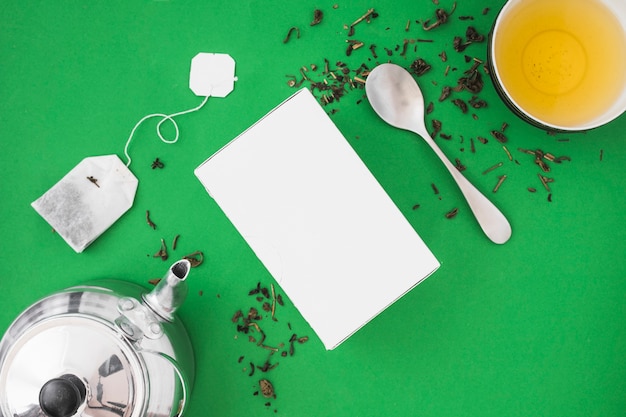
71,365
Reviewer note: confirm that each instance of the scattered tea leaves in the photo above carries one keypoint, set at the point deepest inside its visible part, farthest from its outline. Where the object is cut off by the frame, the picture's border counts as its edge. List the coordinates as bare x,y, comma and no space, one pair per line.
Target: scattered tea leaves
370,14
333,83
542,158
471,36
477,103
353,45
545,181
257,329
472,80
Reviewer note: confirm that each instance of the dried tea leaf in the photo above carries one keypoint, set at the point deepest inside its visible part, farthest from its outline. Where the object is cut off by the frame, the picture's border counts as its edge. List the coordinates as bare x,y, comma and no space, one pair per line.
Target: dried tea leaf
419,67
441,17
195,258
445,93
477,103
162,253
157,164
291,30
150,222
452,213
267,389
499,136
460,104
318,15
436,127
471,36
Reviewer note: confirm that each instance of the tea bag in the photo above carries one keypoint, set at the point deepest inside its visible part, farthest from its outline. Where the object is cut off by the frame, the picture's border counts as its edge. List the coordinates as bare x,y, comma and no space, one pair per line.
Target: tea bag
100,189
88,199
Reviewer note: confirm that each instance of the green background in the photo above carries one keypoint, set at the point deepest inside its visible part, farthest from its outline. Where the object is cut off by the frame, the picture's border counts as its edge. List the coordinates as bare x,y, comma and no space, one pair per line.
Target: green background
532,327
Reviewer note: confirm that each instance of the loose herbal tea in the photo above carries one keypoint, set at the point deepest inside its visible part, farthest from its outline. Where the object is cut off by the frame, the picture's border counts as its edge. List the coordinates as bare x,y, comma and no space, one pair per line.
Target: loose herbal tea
262,333
562,61
460,85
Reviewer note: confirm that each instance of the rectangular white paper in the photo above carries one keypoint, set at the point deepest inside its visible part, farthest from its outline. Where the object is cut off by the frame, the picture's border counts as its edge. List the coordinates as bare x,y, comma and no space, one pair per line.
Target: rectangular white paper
317,218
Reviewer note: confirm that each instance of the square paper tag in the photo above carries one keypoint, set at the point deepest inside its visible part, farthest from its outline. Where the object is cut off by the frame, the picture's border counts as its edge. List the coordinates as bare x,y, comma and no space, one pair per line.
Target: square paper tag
88,199
317,218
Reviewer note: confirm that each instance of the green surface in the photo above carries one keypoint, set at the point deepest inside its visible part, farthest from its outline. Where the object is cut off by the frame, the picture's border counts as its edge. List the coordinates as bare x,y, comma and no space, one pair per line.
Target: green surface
533,327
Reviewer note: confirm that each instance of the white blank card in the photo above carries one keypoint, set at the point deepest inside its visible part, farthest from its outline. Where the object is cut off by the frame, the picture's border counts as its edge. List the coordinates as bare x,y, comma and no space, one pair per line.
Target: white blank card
317,218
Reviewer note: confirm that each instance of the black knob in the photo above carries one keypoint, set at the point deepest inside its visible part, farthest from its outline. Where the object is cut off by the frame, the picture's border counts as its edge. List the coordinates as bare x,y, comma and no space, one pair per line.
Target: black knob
61,397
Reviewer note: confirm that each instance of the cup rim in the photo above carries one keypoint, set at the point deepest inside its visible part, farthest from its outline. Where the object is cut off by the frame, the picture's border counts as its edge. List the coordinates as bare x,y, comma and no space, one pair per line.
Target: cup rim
613,112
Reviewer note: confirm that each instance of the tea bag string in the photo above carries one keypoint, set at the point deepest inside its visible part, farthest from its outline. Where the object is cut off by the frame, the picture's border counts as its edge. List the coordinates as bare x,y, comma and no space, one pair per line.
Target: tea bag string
164,117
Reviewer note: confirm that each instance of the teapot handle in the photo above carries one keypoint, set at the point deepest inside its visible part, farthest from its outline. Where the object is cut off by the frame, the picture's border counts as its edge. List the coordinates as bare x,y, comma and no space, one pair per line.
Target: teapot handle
183,402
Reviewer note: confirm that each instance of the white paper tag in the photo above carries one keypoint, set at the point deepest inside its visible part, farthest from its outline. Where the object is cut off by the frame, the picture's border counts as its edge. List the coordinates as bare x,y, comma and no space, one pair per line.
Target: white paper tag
317,218
212,74
88,199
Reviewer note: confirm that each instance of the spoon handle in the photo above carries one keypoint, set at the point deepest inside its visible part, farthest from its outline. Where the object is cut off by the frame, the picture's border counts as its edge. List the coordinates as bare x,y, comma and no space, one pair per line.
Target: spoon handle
490,219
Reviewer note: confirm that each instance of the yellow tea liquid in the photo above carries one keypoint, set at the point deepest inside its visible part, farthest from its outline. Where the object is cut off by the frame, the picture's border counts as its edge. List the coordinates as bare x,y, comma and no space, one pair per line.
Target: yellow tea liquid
562,61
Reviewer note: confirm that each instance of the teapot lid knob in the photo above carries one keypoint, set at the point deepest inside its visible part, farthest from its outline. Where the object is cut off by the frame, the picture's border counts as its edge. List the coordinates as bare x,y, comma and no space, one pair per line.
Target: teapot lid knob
61,397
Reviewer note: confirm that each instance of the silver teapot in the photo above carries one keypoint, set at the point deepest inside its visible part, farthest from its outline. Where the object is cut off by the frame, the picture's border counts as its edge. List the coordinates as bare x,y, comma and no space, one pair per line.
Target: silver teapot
107,349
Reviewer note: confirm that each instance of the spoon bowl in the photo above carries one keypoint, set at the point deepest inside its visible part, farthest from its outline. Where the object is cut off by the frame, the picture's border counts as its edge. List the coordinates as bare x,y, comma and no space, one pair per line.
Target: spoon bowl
397,99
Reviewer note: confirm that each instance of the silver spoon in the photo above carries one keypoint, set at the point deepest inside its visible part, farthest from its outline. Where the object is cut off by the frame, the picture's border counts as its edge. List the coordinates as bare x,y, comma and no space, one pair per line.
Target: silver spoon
398,100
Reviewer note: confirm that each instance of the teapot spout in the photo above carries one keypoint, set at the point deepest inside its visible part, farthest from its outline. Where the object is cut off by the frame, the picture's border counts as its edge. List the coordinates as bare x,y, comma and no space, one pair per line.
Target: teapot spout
170,292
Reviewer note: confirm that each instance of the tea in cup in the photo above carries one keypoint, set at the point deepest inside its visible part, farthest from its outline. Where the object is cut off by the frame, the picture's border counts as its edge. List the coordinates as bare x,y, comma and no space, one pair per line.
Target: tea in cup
561,64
